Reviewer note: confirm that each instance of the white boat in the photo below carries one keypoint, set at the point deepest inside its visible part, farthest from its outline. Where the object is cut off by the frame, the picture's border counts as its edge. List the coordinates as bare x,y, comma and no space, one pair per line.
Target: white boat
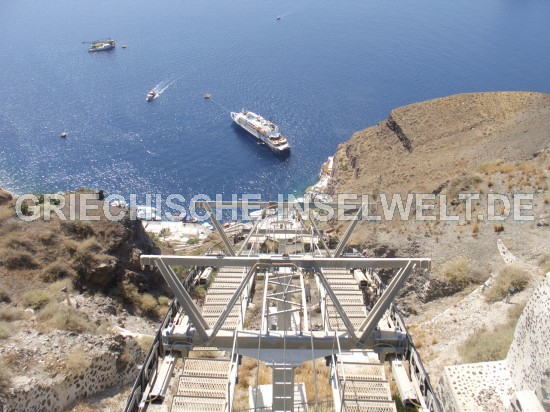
151,95
262,129
147,213
102,45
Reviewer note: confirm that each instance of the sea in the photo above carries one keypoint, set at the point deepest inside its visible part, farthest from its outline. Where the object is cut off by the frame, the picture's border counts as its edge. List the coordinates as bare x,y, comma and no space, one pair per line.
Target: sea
322,71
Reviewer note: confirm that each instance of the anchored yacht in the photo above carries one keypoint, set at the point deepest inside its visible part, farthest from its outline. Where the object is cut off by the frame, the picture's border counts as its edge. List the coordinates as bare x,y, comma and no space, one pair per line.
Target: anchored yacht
262,129
102,45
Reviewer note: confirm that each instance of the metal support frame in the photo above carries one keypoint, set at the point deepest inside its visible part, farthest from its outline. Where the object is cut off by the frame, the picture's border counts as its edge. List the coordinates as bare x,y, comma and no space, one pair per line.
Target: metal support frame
249,236
300,261
385,301
254,263
183,298
312,220
219,228
342,244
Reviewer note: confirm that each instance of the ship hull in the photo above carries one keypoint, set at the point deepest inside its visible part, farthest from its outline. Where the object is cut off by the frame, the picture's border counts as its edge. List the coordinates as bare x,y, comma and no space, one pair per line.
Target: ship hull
283,149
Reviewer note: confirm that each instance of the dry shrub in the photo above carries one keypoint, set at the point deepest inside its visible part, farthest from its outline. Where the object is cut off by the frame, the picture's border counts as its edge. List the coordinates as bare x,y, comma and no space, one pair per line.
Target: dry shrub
88,256
145,342
77,229
492,166
10,314
6,213
460,274
84,406
305,373
18,260
70,245
475,228
198,293
147,304
499,228
56,288
19,241
5,330
5,379
486,346
57,270
4,296
164,301
544,263
510,276
144,304
462,184
73,363
65,318
48,238
37,298
90,245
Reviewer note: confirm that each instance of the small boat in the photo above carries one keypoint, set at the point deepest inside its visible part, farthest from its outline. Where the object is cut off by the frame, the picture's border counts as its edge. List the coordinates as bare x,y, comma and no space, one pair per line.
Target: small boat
262,129
147,213
151,95
124,46
279,17
206,96
102,45
63,134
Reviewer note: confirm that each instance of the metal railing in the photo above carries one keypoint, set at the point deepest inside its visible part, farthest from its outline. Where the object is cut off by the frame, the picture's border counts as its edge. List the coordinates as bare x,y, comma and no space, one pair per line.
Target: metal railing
151,360
417,371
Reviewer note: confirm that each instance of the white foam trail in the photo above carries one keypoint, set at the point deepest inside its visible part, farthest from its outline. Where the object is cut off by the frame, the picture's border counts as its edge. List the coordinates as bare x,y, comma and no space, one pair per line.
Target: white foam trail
163,86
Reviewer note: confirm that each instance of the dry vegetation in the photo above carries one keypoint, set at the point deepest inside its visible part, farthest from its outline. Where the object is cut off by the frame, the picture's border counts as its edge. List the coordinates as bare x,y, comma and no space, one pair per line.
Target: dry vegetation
491,345
459,273
510,279
5,378
72,363
92,256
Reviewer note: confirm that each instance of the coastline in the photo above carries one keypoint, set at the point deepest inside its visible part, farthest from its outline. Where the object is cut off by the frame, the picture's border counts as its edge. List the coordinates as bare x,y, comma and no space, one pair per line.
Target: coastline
325,176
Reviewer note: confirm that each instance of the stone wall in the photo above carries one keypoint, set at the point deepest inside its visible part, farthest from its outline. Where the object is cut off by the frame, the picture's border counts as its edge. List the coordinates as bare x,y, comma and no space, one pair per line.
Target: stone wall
529,355
490,386
112,365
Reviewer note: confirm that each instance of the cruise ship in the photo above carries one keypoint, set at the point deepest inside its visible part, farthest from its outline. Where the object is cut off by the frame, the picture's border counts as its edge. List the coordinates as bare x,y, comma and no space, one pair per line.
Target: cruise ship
262,129
102,45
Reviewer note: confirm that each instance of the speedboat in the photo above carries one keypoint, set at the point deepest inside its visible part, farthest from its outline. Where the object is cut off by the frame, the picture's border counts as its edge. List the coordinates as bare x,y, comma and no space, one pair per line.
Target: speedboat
151,95
263,130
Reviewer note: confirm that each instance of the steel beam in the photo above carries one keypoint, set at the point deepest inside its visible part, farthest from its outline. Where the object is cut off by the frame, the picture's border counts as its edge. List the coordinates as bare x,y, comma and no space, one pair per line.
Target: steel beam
342,244
311,218
249,236
384,302
219,228
350,204
300,261
183,298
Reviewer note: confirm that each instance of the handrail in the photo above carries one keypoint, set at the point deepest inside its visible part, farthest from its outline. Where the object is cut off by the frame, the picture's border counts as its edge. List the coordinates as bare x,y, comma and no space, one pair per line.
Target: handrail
150,362
414,360
232,364
343,388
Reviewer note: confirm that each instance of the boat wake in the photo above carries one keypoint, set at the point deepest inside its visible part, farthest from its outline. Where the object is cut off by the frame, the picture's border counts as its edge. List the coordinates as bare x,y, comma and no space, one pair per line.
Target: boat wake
162,87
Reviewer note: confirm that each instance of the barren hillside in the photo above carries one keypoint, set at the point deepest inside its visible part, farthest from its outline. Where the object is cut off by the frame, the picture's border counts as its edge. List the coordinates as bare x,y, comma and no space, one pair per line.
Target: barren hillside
483,143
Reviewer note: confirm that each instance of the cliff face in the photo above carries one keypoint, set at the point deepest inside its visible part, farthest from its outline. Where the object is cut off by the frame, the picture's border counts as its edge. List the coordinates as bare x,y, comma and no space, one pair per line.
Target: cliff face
423,145
482,143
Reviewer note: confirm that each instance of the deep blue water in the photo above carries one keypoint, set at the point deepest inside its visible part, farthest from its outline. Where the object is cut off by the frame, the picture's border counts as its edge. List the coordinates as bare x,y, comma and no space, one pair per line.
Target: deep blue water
325,70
